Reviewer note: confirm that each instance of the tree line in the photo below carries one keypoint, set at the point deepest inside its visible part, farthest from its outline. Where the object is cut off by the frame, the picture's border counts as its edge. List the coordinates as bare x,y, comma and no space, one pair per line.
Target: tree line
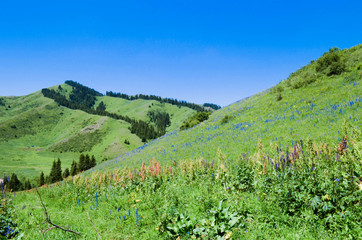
212,105
161,119
141,128
172,101
56,174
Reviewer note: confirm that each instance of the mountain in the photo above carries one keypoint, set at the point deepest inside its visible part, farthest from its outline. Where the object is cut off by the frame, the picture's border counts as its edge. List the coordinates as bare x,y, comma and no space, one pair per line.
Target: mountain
281,164
35,130
311,103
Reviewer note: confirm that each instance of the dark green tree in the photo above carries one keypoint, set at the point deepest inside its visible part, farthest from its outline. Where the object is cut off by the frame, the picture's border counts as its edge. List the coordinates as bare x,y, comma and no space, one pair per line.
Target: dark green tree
56,171
74,169
82,163
47,179
15,184
101,107
87,162
41,179
66,173
59,170
93,162
52,173
27,185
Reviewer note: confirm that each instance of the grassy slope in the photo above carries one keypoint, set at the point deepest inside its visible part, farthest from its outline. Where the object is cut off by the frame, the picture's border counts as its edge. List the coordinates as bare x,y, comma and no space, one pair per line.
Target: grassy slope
43,126
138,109
316,111
57,131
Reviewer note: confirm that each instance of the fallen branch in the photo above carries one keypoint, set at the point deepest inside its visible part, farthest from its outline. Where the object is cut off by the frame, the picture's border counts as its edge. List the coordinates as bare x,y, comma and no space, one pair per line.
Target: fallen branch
47,220
44,232
94,226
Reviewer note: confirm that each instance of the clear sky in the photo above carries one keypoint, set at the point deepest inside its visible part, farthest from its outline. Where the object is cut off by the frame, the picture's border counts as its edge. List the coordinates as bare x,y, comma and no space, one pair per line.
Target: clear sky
198,51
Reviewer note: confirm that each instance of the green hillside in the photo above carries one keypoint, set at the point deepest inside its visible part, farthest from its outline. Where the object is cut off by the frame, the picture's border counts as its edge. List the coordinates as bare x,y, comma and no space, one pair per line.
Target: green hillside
139,108
282,164
308,109
34,130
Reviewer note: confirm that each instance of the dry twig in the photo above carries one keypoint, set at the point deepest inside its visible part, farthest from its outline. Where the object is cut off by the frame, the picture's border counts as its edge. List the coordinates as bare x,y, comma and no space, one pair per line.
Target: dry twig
47,220
94,226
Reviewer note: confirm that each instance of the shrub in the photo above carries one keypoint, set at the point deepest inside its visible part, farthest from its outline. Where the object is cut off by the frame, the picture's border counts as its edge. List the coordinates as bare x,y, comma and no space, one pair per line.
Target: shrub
331,63
195,119
7,227
226,119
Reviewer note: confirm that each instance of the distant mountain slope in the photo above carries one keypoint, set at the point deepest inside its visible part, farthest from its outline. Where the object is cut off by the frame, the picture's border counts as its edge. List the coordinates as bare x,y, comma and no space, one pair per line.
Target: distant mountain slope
34,130
139,108
312,103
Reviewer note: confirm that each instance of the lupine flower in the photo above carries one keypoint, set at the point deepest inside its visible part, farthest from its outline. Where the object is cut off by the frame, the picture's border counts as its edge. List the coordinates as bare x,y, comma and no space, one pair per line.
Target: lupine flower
96,199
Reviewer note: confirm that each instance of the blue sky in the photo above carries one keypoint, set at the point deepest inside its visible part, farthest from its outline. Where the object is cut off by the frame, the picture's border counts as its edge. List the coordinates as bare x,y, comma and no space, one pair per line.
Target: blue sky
199,51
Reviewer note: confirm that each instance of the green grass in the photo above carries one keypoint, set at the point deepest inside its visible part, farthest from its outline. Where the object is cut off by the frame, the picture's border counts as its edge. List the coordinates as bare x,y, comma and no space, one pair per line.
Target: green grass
317,195
138,109
34,131
205,201
46,132
316,112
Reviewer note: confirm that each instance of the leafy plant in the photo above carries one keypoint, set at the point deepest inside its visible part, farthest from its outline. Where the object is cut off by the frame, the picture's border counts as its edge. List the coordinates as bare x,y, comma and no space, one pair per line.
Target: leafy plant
331,63
176,224
220,222
7,227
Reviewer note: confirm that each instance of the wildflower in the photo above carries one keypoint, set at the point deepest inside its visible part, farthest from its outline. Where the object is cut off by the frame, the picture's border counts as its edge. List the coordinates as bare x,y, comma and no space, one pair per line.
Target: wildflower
96,199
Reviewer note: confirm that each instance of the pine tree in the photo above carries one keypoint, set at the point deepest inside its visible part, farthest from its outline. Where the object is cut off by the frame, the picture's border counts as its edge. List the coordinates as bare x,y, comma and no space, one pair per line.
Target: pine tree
27,185
42,179
48,179
52,175
66,173
87,162
56,171
74,169
81,164
93,162
15,184
59,171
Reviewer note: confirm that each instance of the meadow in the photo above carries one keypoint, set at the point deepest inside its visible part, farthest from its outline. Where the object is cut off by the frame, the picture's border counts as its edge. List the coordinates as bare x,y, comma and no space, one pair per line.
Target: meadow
34,131
302,194
282,164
